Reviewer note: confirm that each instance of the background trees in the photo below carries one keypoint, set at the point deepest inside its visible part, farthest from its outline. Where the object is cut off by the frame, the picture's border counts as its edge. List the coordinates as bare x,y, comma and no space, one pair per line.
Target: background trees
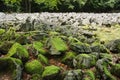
59,5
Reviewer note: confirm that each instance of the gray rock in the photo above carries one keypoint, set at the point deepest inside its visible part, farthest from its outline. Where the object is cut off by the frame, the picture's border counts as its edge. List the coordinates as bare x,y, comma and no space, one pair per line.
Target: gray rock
114,46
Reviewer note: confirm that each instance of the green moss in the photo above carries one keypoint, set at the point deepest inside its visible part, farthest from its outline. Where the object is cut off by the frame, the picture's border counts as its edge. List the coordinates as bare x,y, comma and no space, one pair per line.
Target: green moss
34,67
68,56
2,31
17,50
108,74
97,47
84,61
11,66
59,44
39,47
36,77
90,74
106,55
116,70
107,34
73,75
42,59
50,70
80,47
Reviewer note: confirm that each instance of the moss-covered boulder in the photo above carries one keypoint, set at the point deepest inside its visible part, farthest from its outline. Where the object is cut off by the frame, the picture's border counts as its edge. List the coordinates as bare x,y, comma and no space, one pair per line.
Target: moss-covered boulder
89,75
34,67
10,68
102,66
18,51
105,56
73,75
38,46
80,47
107,75
5,46
42,59
2,31
56,45
68,58
36,77
83,61
51,72
115,70
114,46
97,47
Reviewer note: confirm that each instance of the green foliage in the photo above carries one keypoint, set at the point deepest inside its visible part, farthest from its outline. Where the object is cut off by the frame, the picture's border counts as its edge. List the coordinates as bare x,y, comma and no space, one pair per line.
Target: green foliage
17,50
34,67
50,70
14,5
48,4
60,5
42,59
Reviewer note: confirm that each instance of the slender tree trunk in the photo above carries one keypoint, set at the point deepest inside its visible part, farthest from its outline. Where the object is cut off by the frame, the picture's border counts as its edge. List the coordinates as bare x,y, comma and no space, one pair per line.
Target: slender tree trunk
29,1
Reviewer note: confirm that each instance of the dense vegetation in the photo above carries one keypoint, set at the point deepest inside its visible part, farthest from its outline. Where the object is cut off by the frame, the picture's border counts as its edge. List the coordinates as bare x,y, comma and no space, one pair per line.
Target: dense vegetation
59,5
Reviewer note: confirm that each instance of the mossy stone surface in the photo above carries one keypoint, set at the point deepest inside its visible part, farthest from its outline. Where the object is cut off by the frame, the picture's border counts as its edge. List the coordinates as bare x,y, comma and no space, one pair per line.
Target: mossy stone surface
116,70
73,75
114,46
84,61
39,47
50,71
89,74
56,45
80,47
68,58
11,67
18,51
34,67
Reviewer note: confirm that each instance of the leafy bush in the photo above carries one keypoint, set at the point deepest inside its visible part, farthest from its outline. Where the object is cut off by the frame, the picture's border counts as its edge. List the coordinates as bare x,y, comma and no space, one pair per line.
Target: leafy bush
13,5
60,5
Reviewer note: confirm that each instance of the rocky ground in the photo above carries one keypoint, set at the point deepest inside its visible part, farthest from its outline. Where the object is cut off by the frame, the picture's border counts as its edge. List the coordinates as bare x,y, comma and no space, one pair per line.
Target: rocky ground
45,51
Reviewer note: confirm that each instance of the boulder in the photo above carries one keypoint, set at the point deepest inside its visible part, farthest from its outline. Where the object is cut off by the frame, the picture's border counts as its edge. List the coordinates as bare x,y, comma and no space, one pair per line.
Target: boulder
51,72
115,70
68,58
84,61
18,51
33,67
80,47
56,45
38,46
114,46
10,68
5,46
102,66
89,75
97,47
73,75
